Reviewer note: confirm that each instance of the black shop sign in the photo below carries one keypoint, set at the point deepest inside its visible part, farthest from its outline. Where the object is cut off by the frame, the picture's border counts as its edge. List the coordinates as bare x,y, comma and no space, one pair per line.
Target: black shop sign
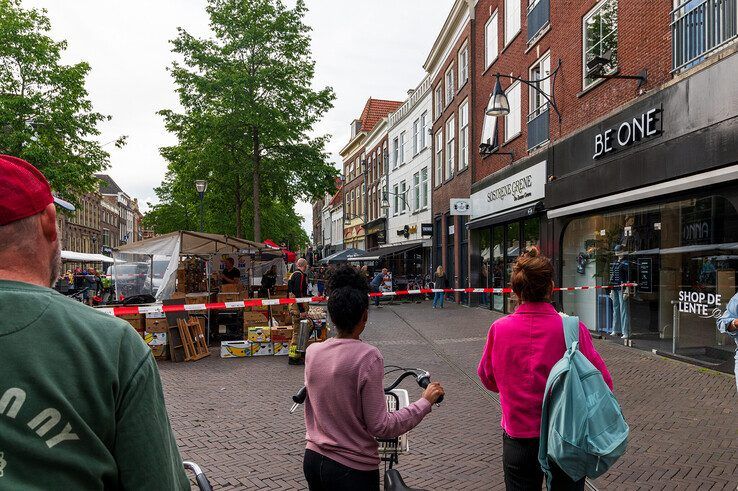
627,133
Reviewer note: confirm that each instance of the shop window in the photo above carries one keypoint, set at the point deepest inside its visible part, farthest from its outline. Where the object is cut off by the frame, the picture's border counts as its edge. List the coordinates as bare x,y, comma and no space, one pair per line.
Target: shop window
485,250
497,266
600,38
438,237
512,251
681,249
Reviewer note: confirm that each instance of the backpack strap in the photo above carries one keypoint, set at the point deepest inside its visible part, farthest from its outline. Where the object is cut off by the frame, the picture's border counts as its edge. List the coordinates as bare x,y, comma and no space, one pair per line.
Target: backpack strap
571,331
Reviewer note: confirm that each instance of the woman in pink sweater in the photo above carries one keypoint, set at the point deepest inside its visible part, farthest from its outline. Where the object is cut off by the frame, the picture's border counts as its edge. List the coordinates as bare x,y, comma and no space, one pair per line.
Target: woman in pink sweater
345,409
521,349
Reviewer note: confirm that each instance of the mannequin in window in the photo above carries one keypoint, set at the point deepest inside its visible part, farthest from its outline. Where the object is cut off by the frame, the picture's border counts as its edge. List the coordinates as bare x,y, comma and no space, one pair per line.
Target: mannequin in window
619,274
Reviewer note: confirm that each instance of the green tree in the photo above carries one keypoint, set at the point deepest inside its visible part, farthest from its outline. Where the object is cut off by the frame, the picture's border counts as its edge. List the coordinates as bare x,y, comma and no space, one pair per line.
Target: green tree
249,110
45,114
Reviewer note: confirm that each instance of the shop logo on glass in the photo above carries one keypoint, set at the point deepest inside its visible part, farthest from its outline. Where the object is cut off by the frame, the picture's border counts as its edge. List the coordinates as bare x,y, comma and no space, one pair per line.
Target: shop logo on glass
705,305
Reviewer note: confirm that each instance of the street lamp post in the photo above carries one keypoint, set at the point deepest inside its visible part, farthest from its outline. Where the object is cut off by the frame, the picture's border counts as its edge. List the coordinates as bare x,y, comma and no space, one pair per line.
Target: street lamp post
201,185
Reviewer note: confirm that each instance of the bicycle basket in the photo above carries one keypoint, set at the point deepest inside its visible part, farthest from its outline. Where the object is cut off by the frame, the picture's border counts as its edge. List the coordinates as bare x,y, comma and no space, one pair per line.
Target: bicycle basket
397,399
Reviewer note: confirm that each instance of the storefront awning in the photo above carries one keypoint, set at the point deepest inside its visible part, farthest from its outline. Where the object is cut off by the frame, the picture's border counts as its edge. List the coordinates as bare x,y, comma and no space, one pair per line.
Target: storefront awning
506,216
379,253
342,256
81,257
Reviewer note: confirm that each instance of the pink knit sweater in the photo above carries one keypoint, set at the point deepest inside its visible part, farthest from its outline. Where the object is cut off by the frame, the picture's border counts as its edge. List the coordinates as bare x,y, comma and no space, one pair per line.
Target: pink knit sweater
345,407
521,349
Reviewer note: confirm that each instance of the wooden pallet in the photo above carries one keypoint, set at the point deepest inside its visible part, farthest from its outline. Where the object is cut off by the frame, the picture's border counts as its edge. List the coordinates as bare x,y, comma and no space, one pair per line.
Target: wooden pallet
193,339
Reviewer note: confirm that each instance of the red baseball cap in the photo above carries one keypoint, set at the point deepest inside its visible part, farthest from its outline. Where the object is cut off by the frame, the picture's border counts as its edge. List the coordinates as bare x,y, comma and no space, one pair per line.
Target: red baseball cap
24,191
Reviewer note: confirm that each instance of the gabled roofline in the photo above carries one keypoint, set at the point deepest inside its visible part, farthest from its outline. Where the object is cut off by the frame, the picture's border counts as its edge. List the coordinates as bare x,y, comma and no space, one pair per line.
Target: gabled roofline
460,10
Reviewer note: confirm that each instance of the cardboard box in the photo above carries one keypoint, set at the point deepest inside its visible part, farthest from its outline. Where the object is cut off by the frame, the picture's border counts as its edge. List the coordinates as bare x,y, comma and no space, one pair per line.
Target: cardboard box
261,349
235,349
156,325
231,288
155,338
260,334
254,319
230,297
281,349
195,298
135,320
281,334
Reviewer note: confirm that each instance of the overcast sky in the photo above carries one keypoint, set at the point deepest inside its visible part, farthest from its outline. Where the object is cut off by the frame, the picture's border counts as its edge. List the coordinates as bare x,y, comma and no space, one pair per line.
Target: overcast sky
362,48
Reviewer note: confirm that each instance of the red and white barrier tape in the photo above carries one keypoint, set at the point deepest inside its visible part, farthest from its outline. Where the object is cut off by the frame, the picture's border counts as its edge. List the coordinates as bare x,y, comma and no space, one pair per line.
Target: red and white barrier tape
261,302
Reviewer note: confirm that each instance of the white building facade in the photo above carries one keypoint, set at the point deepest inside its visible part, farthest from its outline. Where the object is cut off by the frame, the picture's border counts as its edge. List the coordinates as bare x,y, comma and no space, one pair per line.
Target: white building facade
410,170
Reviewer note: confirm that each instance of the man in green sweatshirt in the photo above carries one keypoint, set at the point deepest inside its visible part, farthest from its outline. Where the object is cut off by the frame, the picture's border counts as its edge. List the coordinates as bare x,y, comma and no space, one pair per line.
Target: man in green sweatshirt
81,404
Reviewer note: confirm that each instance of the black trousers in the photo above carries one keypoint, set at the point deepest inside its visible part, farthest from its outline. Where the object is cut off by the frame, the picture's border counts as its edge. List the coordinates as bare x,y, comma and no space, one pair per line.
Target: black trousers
523,472
324,474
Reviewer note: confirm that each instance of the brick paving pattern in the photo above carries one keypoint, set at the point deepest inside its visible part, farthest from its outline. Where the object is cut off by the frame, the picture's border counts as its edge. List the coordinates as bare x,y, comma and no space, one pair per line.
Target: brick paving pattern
231,415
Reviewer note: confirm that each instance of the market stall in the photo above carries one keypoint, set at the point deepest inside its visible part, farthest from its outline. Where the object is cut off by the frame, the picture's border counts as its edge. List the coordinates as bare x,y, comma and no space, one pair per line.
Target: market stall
197,269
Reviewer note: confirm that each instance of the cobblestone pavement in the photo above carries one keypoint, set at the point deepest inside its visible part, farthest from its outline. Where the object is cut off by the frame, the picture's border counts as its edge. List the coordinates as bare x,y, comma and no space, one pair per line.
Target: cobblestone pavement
231,415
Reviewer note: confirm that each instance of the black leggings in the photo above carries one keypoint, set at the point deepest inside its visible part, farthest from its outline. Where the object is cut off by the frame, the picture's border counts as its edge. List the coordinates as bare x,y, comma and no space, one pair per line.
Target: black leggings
324,474
523,472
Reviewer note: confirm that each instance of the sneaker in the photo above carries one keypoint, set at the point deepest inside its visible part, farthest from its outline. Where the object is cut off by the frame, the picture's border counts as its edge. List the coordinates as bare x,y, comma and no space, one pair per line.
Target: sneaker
623,337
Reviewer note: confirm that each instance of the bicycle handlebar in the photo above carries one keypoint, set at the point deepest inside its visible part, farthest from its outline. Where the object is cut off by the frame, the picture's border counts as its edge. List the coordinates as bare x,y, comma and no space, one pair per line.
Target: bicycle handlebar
421,377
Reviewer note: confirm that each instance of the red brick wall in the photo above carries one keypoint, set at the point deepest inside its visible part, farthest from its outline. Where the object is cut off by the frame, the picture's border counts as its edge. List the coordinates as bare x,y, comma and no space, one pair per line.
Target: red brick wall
644,41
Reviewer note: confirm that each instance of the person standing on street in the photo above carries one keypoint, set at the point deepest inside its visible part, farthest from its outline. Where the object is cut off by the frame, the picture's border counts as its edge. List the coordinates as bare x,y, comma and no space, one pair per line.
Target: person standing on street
376,284
230,275
81,403
345,409
297,287
521,349
439,282
728,324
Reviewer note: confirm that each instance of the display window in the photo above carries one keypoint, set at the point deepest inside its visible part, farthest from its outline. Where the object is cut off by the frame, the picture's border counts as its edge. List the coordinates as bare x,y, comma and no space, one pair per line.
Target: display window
499,247
683,256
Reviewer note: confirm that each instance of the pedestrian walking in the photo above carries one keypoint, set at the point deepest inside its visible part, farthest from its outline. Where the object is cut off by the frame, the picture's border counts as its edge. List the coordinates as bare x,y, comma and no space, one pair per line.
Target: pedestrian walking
521,349
728,324
439,282
376,284
345,409
84,408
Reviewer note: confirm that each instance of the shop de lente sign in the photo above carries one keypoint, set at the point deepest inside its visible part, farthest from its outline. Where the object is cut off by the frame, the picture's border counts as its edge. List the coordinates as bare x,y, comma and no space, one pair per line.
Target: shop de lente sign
627,133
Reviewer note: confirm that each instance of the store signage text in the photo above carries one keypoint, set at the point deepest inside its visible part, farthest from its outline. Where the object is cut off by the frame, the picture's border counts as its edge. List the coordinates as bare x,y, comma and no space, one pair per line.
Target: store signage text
426,229
460,206
518,189
700,303
526,186
627,133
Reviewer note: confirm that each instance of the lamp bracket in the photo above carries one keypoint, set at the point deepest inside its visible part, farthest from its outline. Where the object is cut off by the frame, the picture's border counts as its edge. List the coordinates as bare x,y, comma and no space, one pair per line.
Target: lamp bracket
534,85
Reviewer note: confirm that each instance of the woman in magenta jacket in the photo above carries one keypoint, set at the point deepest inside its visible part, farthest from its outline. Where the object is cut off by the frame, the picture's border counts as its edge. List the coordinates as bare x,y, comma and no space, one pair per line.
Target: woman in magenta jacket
521,349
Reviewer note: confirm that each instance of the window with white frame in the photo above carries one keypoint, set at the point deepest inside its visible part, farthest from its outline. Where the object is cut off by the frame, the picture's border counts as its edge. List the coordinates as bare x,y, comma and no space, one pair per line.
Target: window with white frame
439,100
423,129
439,158
395,152
416,191
600,37
463,64
416,136
403,199
539,71
513,120
512,19
450,143
464,135
395,199
491,40
402,148
450,87
424,187
351,209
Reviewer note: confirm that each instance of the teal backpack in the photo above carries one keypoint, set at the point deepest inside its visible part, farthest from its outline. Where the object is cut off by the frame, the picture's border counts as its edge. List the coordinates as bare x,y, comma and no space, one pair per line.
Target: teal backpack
582,427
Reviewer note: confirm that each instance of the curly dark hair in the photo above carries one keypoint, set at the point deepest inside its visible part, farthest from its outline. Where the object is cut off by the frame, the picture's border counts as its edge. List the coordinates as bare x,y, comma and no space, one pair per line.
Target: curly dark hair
348,297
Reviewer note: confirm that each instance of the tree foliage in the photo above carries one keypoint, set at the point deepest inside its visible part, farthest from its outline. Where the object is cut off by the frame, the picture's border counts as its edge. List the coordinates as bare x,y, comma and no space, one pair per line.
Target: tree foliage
249,110
45,114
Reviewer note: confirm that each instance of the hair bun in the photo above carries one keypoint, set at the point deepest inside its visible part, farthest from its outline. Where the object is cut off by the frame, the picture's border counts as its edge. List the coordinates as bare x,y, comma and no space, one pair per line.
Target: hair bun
533,251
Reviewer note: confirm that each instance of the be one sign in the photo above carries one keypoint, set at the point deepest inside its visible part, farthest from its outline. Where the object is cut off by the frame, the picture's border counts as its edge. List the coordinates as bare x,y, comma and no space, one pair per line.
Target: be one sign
627,133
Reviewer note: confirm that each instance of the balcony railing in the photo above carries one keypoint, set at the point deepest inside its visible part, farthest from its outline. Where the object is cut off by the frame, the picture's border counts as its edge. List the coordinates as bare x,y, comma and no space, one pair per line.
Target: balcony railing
538,127
538,18
699,27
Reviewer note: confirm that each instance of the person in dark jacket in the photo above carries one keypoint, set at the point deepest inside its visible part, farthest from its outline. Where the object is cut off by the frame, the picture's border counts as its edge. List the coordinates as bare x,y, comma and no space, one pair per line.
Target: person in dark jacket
440,281
376,283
